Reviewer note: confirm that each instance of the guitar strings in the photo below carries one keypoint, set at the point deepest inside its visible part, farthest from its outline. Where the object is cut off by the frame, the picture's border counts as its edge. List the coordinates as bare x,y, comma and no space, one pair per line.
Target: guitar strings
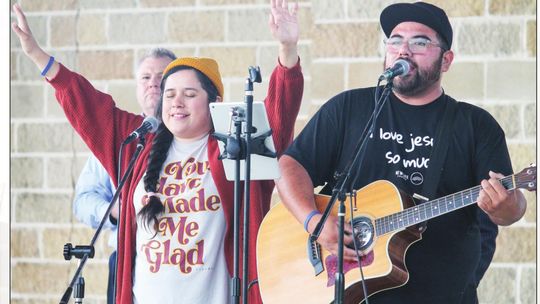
413,215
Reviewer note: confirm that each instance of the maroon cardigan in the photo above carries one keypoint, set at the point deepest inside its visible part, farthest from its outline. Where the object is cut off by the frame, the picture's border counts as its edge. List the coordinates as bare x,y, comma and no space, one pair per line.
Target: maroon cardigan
103,126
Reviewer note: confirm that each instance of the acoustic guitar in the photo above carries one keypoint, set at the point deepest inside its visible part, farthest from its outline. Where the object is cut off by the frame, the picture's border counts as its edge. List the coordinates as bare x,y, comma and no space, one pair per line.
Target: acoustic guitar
293,269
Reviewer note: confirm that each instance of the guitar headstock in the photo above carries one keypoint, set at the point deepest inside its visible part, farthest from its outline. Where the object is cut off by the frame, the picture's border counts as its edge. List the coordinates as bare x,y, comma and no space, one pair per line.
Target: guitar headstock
526,178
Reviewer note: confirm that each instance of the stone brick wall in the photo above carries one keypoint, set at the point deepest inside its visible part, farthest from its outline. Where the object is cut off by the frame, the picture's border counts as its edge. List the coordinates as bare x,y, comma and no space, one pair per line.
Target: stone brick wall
341,48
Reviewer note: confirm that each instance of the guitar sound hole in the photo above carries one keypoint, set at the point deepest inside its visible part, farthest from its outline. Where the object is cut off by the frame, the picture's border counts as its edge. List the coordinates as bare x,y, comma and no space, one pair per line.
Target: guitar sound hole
363,233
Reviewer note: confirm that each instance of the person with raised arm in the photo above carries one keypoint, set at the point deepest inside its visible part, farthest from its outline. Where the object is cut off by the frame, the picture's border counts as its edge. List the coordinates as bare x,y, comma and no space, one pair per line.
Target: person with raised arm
175,228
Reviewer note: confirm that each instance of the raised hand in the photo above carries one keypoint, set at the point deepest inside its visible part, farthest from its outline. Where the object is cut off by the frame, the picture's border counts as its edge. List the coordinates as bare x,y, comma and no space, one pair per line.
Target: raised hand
29,44
284,23
284,28
21,28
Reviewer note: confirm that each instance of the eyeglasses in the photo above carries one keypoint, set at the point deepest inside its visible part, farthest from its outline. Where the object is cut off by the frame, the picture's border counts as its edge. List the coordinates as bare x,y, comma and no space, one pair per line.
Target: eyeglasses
417,45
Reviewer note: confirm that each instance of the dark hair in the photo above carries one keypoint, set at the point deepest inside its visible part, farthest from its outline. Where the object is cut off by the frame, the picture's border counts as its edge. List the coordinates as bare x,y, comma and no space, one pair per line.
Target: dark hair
442,42
160,147
158,153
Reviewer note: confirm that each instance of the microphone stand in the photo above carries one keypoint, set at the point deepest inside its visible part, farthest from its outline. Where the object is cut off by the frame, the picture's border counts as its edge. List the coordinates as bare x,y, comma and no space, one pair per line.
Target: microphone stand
234,148
339,193
239,148
87,251
254,76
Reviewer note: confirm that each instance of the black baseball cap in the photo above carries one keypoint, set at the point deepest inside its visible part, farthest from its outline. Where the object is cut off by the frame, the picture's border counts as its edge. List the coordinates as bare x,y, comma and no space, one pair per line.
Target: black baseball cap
421,12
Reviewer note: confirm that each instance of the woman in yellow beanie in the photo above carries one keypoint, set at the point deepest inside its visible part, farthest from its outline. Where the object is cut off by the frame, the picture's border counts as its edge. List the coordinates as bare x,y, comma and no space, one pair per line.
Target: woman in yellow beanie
175,233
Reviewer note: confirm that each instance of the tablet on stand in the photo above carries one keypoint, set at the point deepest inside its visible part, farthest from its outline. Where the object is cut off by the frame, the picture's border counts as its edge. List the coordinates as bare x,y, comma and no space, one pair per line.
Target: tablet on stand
262,167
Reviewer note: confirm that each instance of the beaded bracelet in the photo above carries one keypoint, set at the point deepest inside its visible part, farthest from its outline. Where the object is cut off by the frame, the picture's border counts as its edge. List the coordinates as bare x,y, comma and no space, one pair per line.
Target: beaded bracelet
308,218
49,65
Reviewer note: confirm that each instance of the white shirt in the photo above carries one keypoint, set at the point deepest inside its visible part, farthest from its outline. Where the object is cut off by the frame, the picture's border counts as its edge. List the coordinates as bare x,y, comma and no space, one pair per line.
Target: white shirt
185,261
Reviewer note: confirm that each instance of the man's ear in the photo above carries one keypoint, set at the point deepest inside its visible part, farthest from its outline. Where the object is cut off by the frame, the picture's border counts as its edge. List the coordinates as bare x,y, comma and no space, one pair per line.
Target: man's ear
447,59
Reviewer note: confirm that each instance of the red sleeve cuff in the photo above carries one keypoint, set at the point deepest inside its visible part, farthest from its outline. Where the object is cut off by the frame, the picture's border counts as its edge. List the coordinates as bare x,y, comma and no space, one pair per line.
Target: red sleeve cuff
61,78
286,72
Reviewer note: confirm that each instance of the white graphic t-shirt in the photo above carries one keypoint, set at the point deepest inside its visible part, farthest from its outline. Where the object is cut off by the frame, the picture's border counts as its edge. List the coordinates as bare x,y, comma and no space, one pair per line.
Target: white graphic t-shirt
184,262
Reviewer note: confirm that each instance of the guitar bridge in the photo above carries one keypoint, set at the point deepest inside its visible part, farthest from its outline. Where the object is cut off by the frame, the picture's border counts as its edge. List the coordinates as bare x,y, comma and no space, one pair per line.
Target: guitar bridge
314,255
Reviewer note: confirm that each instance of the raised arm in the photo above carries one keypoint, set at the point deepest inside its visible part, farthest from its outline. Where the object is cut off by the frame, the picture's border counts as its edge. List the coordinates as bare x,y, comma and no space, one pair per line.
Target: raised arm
284,28
103,126
30,46
286,82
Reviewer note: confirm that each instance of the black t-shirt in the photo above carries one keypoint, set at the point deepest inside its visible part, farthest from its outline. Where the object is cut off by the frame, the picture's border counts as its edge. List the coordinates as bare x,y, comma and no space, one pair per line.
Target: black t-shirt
444,261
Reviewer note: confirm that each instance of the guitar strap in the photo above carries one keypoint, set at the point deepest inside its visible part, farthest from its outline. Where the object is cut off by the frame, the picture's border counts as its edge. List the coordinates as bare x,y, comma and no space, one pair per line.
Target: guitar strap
440,148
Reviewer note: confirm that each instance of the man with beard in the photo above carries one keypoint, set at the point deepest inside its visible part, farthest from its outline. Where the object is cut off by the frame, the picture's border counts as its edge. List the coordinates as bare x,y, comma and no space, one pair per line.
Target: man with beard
443,265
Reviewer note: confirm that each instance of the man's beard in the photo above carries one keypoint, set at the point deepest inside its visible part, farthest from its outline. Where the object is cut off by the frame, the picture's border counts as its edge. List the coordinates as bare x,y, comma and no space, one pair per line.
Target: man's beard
418,82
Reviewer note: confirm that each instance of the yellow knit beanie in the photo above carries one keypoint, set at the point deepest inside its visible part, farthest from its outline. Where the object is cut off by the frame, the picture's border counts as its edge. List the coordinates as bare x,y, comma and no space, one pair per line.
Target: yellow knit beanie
207,66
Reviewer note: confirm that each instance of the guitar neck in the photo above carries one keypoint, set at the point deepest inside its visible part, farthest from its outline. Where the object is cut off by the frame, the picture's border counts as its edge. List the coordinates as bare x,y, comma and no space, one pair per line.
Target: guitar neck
428,210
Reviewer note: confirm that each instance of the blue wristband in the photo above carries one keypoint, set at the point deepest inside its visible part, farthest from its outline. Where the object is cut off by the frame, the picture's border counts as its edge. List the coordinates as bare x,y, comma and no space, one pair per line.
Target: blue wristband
308,218
49,65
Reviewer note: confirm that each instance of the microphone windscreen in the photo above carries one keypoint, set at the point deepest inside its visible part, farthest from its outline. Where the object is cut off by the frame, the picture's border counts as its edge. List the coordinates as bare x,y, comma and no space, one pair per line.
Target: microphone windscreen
405,66
152,122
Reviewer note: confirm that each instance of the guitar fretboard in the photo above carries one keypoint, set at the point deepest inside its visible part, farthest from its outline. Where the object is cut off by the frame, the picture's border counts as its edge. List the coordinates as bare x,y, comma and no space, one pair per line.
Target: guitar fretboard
422,212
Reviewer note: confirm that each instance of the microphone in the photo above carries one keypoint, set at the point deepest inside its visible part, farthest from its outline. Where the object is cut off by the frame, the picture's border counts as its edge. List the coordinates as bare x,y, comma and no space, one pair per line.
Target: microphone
401,67
149,125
